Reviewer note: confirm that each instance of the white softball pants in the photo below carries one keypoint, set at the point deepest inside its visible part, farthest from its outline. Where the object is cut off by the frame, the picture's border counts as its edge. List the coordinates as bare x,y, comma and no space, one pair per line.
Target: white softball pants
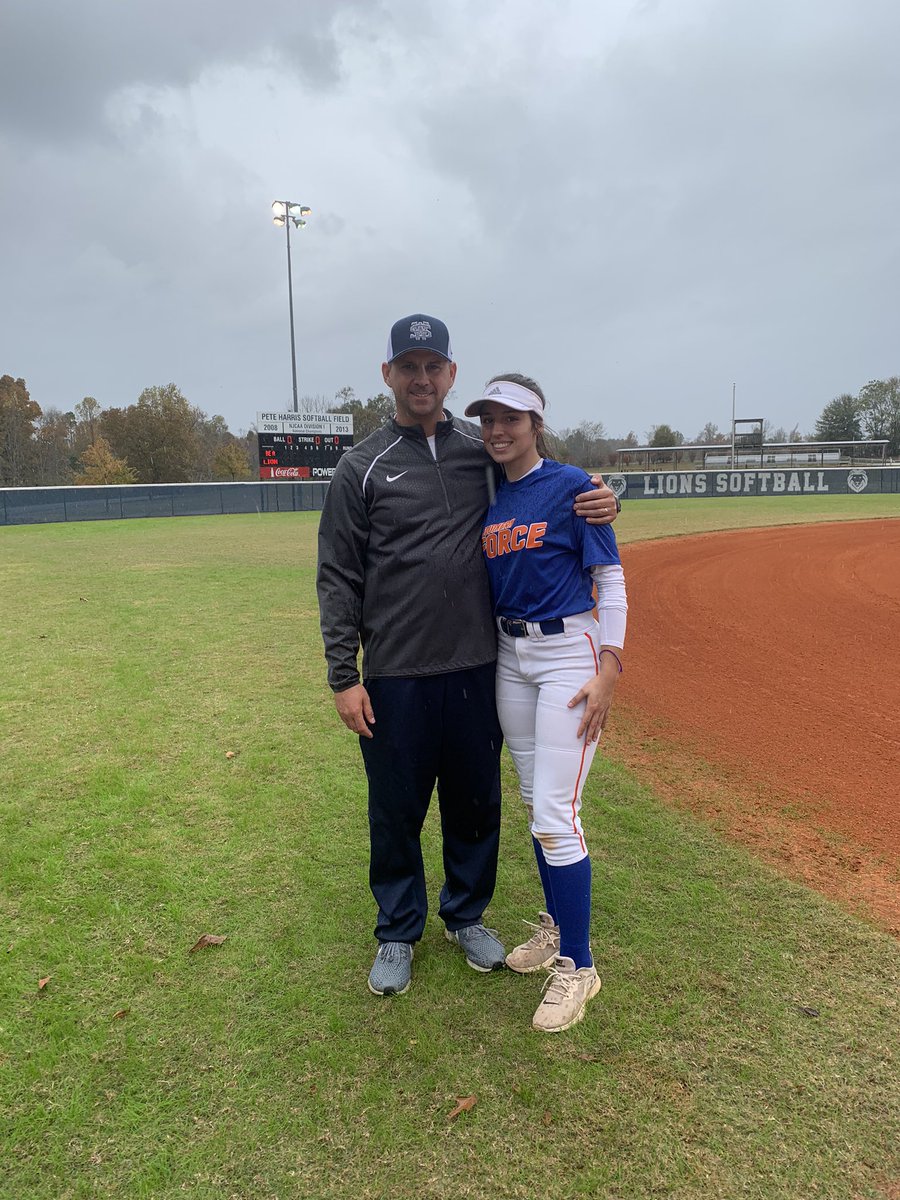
537,676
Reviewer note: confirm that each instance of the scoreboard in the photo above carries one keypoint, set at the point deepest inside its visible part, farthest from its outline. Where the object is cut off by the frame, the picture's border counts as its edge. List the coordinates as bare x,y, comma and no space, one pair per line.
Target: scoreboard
296,445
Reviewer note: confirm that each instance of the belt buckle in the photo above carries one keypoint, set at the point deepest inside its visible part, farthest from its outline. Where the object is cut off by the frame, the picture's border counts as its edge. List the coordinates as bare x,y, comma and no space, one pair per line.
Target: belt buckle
515,627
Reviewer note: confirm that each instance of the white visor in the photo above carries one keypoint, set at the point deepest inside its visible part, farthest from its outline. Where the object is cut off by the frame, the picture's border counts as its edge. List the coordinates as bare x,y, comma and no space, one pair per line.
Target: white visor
510,395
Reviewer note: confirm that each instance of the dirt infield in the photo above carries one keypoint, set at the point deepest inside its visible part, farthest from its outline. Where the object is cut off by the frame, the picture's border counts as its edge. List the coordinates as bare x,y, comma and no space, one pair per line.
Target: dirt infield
763,692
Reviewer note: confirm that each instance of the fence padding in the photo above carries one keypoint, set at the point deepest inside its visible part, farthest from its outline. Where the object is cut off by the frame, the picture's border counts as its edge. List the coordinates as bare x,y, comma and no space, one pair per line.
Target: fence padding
36,506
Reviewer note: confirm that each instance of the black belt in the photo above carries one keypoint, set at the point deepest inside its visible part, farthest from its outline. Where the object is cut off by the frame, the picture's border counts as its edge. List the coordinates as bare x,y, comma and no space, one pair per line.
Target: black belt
514,627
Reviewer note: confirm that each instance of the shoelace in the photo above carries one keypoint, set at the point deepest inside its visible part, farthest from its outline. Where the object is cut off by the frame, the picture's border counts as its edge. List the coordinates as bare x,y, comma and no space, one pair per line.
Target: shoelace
479,931
558,986
391,952
542,936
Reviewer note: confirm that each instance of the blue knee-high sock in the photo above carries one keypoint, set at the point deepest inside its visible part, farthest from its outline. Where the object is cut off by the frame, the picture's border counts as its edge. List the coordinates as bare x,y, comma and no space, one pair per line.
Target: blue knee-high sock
544,872
572,895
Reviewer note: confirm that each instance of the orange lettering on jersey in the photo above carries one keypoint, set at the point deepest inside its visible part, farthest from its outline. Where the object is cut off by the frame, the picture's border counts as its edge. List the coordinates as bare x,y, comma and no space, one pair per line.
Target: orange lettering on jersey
508,537
518,536
536,535
489,543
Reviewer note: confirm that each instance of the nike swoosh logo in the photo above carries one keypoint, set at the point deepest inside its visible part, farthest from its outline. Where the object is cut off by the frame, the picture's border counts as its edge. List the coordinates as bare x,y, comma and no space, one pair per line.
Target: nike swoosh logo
391,478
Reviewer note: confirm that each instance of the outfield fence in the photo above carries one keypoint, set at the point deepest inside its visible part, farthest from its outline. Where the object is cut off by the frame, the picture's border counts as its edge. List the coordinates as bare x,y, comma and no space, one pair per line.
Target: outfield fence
36,506
765,481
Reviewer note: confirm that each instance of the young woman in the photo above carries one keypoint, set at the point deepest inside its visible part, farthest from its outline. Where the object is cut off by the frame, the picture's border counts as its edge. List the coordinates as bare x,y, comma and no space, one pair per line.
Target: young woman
557,669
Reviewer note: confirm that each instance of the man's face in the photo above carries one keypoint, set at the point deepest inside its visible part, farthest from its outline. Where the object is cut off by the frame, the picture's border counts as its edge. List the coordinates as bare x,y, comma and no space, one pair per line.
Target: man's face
420,381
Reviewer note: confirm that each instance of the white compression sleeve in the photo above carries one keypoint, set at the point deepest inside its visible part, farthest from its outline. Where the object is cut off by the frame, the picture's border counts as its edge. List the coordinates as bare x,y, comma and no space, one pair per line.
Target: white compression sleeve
612,605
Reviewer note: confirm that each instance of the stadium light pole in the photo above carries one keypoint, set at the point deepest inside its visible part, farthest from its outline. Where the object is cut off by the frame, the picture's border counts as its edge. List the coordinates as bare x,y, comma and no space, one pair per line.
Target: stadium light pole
286,213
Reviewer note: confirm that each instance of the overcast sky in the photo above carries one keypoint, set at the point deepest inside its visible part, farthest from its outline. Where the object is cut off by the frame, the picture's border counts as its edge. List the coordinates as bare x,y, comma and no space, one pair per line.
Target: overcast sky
639,202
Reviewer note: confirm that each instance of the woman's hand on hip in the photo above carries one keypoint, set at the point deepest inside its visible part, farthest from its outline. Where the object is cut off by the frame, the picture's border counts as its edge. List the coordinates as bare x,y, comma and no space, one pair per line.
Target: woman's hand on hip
597,695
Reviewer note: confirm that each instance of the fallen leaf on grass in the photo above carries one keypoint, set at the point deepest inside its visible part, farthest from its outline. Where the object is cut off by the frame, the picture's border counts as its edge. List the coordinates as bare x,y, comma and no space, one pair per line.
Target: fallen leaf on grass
42,983
83,599
547,1118
123,1012
208,939
230,753
589,1057
463,1104
808,1012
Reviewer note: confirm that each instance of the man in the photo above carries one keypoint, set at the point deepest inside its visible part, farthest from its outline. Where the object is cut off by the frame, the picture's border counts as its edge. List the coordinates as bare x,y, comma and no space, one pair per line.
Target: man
401,571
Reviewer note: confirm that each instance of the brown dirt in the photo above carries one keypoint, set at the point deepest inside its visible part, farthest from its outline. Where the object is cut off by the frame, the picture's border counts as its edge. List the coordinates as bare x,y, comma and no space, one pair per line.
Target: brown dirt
762,691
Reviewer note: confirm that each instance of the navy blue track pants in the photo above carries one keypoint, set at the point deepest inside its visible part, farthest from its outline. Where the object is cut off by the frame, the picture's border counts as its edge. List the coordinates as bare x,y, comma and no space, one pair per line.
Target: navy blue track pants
444,729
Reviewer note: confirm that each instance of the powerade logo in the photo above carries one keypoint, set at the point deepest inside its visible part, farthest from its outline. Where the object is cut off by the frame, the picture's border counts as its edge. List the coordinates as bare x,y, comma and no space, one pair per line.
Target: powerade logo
322,472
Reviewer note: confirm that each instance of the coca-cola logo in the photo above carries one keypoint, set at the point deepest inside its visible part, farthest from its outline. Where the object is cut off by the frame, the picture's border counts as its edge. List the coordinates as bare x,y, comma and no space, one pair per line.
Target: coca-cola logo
291,473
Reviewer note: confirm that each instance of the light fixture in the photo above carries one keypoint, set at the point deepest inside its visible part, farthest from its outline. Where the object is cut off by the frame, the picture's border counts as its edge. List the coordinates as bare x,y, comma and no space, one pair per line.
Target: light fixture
286,213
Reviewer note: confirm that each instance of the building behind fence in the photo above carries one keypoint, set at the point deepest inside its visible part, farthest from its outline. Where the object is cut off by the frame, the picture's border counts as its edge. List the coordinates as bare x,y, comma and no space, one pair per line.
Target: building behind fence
871,452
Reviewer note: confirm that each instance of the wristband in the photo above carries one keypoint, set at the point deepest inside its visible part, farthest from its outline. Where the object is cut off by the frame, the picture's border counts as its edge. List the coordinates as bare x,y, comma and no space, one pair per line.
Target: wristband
615,656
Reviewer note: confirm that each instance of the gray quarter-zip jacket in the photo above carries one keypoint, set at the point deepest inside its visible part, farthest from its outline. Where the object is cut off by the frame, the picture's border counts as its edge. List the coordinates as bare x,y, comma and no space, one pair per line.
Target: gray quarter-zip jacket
401,569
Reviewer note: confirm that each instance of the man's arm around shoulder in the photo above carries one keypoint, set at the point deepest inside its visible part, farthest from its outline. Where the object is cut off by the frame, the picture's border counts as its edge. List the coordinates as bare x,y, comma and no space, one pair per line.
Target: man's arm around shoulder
599,507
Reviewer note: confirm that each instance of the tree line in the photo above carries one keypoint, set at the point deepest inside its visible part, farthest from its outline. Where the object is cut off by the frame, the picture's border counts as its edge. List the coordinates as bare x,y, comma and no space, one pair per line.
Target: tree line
873,413
162,438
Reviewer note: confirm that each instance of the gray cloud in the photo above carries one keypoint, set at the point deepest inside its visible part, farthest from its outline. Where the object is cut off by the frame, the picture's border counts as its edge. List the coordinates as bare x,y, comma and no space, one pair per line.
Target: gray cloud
639,205
63,65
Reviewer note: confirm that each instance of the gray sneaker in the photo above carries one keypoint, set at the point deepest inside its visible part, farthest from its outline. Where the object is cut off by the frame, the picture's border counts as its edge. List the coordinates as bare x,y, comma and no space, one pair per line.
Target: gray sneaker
483,949
540,949
392,969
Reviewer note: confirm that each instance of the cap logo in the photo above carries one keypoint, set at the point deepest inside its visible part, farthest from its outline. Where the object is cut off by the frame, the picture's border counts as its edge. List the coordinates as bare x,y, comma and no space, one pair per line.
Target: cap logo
419,331
495,391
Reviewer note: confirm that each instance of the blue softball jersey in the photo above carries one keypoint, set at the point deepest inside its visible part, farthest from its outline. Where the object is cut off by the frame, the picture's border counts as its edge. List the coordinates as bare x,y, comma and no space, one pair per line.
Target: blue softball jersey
538,552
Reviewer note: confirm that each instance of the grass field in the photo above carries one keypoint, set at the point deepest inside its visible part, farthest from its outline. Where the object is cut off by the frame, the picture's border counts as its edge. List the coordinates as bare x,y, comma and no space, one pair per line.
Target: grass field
743,1044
